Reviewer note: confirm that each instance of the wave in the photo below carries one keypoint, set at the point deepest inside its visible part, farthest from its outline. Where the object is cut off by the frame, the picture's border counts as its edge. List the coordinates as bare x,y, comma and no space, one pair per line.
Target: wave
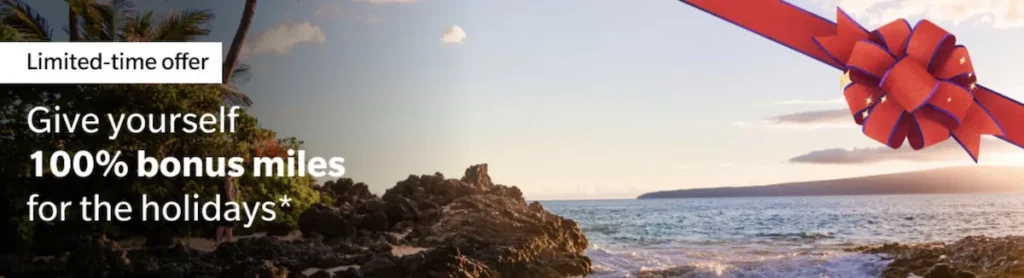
695,263
800,235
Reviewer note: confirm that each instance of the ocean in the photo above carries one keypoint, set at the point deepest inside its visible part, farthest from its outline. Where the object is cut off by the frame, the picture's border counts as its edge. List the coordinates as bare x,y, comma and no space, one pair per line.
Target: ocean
786,237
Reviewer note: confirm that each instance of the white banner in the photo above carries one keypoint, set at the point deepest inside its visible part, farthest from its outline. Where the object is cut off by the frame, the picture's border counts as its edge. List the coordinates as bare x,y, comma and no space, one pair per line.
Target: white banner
110,62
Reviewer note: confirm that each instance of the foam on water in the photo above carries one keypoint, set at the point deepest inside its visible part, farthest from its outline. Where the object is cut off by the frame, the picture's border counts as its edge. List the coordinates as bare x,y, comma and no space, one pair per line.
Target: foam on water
627,263
776,237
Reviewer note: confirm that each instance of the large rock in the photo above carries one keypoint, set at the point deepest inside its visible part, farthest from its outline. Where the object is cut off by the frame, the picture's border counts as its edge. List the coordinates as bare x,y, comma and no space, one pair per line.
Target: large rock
509,237
325,221
278,229
265,269
375,222
477,176
945,271
296,256
967,257
345,190
445,262
100,258
431,190
383,267
402,209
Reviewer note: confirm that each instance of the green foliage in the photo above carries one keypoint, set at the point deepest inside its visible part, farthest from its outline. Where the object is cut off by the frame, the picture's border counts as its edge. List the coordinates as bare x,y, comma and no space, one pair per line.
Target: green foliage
8,34
30,24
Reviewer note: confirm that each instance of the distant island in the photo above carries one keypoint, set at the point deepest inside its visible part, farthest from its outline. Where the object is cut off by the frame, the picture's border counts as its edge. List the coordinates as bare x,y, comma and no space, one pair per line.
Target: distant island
971,179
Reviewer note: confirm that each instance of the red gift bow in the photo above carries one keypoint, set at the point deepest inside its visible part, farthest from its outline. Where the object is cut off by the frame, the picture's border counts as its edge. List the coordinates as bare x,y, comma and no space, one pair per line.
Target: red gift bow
907,83
912,83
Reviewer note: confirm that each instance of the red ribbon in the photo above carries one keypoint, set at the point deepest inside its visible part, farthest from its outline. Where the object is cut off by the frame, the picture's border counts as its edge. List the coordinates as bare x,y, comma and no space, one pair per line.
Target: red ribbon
908,83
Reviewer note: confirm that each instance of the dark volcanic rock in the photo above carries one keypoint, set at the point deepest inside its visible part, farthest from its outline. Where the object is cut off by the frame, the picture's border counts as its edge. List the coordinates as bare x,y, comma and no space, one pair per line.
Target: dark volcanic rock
278,229
973,256
446,262
945,271
265,269
324,221
100,258
477,176
345,190
511,238
402,209
159,238
382,267
375,222
348,273
294,255
430,189
322,274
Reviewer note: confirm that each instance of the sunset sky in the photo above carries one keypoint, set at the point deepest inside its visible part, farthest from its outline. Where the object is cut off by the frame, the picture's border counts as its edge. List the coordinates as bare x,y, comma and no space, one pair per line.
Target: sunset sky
579,99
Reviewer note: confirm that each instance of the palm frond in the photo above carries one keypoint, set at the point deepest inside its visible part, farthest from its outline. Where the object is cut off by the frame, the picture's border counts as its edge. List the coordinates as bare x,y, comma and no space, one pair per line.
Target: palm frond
233,97
92,18
118,12
240,75
138,27
183,26
29,23
104,22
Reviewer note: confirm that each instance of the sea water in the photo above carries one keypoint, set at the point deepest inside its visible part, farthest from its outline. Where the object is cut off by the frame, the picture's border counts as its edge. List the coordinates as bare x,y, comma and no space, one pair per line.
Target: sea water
777,236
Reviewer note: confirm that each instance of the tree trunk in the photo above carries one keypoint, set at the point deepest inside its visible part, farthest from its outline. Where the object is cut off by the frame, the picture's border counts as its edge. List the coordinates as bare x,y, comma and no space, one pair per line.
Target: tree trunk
236,44
73,21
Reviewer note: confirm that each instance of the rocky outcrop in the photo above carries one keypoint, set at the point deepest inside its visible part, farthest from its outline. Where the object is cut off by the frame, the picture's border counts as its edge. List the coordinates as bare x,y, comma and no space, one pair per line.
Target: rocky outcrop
974,256
425,226
326,221
507,235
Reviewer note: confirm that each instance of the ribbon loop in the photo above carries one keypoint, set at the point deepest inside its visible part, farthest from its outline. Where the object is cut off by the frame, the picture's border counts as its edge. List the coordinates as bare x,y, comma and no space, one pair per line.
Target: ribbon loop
909,84
885,123
893,36
929,131
929,43
957,67
870,59
859,98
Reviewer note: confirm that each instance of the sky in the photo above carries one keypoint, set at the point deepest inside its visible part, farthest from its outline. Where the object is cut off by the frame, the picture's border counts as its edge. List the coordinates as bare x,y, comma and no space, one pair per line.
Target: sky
580,99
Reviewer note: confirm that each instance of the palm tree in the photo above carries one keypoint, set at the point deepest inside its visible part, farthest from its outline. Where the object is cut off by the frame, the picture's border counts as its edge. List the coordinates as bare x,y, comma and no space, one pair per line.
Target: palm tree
21,17
119,21
236,44
73,12
230,62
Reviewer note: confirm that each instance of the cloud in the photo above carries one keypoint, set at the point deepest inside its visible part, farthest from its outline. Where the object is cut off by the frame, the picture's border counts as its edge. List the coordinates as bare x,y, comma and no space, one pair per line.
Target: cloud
812,102
453,35
817,118
330,10
994,13
942,152
385,1
282,37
